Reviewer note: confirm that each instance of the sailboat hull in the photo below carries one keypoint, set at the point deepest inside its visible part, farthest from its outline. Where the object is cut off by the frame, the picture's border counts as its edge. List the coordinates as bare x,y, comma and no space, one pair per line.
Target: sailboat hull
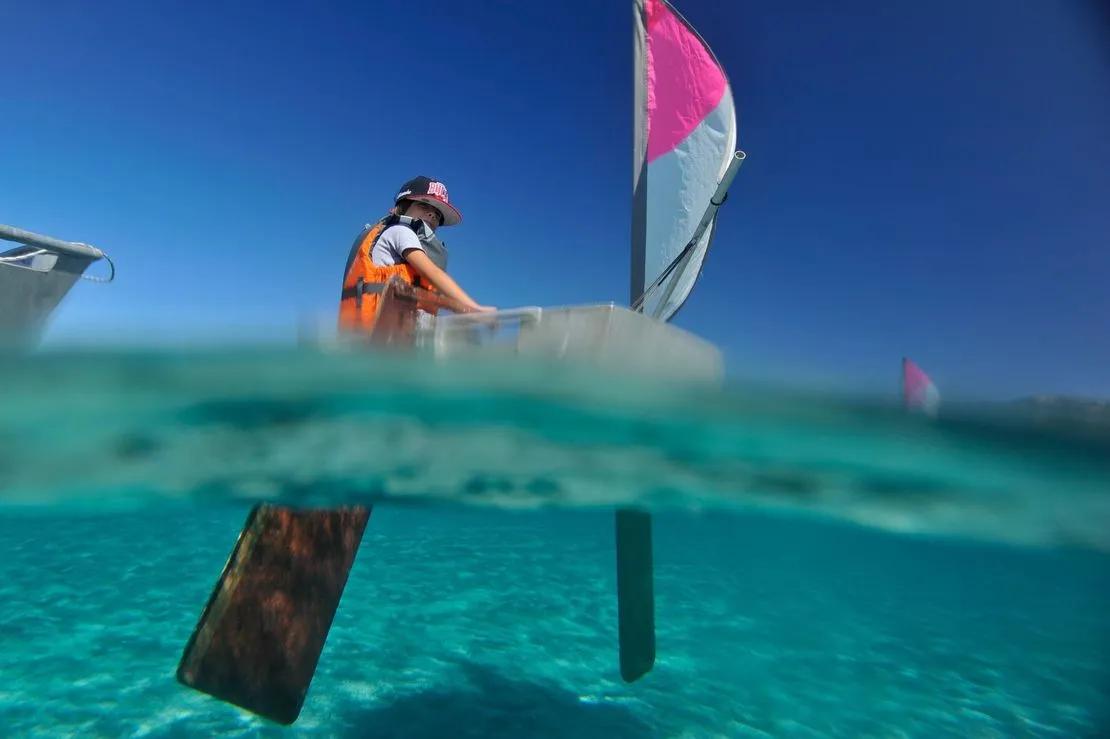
607,336
27,298
34,277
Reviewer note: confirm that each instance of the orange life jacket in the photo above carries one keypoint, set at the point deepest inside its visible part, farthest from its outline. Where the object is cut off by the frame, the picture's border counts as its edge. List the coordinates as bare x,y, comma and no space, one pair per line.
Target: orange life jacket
363,281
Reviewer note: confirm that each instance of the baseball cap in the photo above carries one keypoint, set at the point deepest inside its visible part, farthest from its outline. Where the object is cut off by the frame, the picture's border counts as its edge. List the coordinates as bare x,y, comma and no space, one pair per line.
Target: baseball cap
432,192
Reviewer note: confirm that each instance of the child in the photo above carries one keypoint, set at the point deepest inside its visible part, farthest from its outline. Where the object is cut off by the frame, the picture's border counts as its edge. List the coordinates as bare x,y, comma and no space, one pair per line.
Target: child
403,244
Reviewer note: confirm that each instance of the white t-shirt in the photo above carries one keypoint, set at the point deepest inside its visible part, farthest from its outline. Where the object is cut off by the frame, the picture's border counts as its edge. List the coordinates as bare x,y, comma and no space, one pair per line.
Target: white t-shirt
391,246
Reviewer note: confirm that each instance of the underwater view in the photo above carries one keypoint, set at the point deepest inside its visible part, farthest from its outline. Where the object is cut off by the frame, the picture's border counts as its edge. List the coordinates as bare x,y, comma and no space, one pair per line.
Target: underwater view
824,566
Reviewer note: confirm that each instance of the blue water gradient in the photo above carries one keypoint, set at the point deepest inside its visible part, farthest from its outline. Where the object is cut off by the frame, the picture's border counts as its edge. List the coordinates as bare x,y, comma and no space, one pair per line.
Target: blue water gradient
474,623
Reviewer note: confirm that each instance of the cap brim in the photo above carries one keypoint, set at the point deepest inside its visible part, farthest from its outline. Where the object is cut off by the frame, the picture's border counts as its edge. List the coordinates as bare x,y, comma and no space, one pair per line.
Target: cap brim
451,216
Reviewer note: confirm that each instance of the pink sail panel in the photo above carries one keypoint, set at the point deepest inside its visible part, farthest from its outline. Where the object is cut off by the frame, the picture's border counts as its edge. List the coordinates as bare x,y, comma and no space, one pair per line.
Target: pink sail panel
918,391
690,86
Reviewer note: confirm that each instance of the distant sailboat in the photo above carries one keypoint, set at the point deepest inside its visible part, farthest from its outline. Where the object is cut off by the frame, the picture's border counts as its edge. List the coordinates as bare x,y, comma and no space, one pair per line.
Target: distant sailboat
918,391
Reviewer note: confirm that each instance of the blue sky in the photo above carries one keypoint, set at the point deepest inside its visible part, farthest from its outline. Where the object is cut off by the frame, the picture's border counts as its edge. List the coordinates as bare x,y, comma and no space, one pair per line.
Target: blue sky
923,179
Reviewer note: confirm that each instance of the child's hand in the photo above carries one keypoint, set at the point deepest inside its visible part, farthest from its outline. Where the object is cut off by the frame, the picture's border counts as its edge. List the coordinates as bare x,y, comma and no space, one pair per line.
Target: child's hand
484,309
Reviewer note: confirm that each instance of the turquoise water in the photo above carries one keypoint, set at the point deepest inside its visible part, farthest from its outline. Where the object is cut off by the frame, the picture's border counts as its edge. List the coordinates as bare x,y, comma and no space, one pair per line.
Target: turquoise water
824,567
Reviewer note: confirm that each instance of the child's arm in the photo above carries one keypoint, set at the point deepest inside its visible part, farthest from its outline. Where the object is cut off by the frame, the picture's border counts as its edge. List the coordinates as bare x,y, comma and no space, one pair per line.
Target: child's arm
424,266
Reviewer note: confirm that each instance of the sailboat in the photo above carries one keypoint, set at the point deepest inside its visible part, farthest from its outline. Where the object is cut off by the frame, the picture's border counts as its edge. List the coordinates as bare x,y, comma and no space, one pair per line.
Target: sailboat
258,650
684,160
34,277
919,394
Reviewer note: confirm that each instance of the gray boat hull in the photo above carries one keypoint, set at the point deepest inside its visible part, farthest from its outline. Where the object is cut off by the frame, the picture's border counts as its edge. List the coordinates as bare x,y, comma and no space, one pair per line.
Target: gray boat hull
34,278
606,336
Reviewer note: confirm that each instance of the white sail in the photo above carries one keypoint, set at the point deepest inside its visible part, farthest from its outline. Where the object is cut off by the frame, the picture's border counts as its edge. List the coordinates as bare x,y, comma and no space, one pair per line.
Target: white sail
684,143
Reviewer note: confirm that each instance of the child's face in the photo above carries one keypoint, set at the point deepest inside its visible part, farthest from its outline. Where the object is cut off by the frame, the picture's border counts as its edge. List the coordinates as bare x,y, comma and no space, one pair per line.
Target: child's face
424,212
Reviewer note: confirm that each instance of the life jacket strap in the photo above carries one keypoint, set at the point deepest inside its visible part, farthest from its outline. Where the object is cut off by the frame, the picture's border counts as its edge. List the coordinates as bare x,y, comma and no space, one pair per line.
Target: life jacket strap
363,288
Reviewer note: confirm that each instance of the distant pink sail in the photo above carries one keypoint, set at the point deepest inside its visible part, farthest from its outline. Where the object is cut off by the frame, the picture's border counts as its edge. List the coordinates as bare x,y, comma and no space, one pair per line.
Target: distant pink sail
918,391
